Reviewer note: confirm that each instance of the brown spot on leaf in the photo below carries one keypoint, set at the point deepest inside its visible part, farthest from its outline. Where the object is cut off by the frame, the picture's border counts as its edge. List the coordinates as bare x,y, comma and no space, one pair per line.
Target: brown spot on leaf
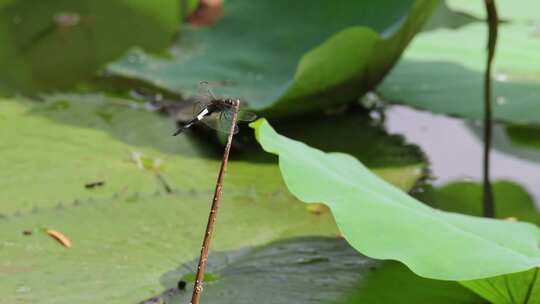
317,208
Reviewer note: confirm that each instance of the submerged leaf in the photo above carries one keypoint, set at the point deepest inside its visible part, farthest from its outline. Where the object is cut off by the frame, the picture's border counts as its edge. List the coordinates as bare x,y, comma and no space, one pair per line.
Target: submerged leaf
383,222
56,44
523,136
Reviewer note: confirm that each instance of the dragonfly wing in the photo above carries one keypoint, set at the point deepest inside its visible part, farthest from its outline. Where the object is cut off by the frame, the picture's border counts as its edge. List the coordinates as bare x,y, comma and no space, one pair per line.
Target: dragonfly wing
246,116
211,121
242,115
217,122
225,122
204,93
203,99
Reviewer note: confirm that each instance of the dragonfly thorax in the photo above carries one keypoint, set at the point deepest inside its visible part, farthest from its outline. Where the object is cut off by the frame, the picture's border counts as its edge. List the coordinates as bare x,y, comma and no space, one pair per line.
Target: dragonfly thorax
221,104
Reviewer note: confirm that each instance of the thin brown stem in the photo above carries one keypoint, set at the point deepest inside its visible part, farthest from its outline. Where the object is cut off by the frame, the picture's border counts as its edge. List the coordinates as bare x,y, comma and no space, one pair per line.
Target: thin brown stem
199,279
493,22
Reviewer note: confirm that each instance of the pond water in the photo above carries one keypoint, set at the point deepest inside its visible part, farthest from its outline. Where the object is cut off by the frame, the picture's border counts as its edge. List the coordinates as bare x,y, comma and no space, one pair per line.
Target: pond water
455,150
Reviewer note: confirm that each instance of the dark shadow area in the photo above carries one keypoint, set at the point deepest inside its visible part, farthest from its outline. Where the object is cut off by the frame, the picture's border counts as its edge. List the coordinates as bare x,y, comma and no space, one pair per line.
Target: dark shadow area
354,131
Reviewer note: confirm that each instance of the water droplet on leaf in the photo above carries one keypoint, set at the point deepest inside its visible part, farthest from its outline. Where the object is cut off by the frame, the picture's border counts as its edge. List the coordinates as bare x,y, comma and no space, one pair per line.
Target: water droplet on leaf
501,77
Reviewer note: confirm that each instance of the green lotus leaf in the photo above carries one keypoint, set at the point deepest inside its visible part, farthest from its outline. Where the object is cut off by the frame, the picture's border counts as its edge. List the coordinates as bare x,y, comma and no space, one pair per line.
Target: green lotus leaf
383,222
442,71
335,53
59,44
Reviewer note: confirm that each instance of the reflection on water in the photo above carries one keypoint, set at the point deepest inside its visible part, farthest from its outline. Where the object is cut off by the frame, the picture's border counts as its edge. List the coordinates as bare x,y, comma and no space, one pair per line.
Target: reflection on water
455,152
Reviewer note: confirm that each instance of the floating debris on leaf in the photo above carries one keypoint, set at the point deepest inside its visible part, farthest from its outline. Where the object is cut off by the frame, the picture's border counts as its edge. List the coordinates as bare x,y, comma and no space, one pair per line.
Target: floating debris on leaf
60,237
95,184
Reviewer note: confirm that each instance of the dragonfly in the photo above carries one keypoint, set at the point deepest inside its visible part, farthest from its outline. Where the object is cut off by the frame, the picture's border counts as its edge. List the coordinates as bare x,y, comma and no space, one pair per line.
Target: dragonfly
215,112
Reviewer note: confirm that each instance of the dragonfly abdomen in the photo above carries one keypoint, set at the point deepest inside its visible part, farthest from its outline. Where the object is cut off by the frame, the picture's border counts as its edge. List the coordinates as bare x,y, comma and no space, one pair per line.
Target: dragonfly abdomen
204,113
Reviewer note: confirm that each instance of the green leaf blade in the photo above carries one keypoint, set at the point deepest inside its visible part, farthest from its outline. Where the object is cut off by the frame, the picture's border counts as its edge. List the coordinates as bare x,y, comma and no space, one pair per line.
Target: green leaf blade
375,217
522,287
